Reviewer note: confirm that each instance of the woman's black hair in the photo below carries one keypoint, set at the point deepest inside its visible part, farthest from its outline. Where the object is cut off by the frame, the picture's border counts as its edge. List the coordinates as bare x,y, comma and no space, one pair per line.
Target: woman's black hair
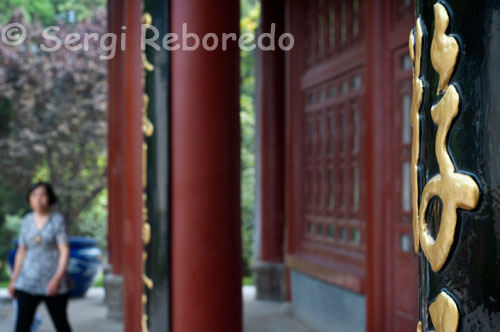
48,189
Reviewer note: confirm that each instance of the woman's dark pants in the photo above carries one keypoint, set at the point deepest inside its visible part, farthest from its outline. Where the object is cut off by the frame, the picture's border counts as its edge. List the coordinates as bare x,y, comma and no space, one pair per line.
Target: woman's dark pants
28,303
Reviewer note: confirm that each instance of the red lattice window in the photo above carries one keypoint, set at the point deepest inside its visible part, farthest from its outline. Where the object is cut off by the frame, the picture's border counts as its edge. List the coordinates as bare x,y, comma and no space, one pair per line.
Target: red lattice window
327,232
334,170
402,144
332,26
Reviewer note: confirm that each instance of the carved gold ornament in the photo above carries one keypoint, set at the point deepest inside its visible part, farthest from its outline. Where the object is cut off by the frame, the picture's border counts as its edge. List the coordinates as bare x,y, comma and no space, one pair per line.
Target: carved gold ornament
444,49
144,319
454,189
418,92
147,129
147,20
147,126
144,164
147,281
146,233
444,313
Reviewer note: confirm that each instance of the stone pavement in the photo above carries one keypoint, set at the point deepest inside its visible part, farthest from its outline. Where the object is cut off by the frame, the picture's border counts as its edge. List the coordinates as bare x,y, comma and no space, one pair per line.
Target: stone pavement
86,315
268,316
89,315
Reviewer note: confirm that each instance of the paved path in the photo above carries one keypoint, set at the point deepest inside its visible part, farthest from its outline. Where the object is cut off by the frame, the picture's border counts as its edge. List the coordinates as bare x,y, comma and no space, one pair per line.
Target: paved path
86,315
268,316
89,315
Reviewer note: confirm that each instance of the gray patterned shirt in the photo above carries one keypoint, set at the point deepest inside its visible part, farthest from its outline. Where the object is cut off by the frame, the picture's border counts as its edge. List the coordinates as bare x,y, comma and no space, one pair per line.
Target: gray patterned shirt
42,259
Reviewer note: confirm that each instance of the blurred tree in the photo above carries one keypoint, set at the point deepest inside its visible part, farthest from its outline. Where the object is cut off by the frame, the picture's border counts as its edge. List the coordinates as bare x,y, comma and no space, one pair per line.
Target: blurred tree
12,206
56,106
93,220
79,10
10,228
50,11
249,23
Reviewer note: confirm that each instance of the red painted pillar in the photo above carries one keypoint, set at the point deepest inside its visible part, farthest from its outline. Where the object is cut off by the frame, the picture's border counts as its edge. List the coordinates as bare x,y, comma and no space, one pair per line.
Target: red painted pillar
294,156
269,267
206,239
115,144
132,227
377,319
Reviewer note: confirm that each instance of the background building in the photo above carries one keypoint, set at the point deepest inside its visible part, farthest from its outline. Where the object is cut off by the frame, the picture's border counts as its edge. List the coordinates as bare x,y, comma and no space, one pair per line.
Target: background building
333,212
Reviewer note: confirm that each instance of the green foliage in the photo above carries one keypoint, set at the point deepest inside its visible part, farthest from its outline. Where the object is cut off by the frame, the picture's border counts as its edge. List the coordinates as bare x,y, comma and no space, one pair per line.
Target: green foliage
82,9
11,201
9,230
248,23
12,207
6,115
4,277
248,281
99,280
50,11
93,220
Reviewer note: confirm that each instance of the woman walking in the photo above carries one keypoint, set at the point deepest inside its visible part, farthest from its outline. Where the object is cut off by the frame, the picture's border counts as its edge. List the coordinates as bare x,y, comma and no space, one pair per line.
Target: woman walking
41,260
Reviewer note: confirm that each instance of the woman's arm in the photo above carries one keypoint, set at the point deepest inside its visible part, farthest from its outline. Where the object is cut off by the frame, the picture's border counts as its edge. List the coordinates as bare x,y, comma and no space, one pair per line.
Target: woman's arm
18,263
62,265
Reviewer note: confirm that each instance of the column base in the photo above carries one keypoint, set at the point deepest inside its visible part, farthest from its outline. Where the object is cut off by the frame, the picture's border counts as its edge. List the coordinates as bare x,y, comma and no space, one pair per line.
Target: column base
269,281
113,286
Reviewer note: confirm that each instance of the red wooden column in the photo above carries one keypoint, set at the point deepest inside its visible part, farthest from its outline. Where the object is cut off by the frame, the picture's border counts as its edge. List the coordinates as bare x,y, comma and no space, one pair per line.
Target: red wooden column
132,227
115,144
377,94
206,240
269,266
